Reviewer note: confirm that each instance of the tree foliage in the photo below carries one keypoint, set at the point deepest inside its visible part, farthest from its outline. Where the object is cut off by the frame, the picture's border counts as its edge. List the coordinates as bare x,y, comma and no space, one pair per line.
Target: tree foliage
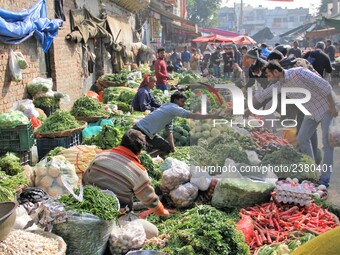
203,12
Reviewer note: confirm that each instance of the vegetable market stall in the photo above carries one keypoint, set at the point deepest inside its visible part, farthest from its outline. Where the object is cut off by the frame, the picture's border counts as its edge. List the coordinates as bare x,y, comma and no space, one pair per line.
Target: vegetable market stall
263,215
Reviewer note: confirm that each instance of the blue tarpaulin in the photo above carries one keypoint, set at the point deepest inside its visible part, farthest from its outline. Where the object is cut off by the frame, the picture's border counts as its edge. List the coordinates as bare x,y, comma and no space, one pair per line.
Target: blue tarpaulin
16,27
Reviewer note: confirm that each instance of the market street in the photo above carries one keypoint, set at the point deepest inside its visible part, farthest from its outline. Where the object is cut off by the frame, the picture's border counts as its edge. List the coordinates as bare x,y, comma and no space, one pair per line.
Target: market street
334,188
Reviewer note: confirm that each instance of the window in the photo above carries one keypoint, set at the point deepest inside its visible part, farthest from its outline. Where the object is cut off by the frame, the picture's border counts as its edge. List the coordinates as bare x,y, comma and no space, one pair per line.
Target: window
291,19
277,20
302,18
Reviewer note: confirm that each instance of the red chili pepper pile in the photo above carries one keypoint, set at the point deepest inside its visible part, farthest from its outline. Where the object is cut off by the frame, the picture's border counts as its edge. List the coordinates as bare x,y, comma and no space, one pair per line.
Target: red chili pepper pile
261,139
272,223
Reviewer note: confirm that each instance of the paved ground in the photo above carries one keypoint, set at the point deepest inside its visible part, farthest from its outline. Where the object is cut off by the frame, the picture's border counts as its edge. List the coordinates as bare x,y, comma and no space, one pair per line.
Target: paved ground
334,189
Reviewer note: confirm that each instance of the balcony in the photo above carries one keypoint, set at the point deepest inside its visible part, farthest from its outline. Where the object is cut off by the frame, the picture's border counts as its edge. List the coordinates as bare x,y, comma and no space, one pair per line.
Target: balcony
132,5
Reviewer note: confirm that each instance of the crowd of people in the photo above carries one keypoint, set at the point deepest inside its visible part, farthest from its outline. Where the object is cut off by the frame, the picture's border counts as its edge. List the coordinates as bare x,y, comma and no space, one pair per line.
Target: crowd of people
120,170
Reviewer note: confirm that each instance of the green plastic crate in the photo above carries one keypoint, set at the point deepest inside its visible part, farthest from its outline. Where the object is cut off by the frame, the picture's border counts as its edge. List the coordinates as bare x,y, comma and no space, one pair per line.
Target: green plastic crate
20,138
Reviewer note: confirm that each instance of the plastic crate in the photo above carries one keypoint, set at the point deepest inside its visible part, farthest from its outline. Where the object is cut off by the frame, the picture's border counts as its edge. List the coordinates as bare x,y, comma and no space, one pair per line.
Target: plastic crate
45,145
25,156
20,138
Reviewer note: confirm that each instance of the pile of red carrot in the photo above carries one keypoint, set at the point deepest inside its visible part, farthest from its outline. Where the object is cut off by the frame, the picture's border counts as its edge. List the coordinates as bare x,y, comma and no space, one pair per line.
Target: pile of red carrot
272,222
261,139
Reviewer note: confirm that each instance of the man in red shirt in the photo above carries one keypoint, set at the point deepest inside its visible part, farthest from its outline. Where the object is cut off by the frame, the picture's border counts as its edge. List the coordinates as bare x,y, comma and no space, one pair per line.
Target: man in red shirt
160,71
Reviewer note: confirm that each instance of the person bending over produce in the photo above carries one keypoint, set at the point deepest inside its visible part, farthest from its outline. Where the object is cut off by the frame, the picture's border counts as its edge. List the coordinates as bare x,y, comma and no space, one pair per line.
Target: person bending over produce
120,171
161,118
144,99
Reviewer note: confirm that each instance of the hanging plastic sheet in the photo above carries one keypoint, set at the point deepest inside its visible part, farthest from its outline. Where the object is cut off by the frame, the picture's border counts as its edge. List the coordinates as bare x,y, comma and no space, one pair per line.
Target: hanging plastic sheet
16,27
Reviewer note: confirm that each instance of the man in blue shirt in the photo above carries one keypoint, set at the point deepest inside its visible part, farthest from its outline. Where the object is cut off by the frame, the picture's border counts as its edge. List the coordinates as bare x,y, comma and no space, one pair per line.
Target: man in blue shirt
185,56
161,118
144,99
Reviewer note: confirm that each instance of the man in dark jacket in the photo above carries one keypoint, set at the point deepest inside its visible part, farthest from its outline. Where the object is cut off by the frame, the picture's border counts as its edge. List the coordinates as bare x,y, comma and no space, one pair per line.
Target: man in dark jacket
330,50
319,59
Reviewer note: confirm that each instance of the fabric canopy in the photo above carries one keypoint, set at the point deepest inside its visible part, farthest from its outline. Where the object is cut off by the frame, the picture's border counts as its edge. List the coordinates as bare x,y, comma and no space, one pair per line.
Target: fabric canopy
213,38
331,22
243,40
16,27
263,35
322,33
217,31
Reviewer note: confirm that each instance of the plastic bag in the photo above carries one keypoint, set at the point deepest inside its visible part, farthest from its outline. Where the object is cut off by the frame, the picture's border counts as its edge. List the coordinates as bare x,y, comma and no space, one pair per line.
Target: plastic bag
334,132
200,179
27,107
84,234
184,195
253,158
49,173
246,226
174,177
172,162
130,235
38,85
14,67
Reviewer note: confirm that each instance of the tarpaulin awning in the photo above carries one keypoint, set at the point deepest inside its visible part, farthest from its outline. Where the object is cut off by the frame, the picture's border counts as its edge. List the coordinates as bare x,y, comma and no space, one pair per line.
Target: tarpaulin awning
299,30
85,26
243,40
213,38
217,31
331,22
263,35
322,33
121,30
16,27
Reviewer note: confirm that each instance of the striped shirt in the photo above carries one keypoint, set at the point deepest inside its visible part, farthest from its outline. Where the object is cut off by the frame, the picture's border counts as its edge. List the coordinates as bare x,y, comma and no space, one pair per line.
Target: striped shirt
115,172
301,77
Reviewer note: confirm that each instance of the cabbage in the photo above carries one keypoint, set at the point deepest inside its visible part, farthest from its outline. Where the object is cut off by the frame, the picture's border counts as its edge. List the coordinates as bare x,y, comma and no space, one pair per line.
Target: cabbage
12,119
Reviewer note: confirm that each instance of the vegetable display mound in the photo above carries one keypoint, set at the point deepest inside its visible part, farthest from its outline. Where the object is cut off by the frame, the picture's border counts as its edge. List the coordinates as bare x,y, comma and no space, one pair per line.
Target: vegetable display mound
96,202
108,138
46,102
152,168
113,93
199,231
88,107
10,164
115,77
289,157
9,184
59,121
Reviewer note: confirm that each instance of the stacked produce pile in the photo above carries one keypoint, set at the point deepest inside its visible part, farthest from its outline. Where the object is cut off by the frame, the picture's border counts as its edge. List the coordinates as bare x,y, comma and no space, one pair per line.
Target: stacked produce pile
181,129
88,107
108,138
59,121
118,78
272,222
199,231
12,177
120,96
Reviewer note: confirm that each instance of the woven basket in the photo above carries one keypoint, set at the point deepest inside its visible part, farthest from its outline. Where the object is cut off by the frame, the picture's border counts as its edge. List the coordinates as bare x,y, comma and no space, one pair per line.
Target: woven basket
106,84
63,133
61,242
90,119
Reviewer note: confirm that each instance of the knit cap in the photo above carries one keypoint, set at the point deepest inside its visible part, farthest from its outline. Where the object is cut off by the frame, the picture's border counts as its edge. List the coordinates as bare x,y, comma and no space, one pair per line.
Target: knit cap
253,53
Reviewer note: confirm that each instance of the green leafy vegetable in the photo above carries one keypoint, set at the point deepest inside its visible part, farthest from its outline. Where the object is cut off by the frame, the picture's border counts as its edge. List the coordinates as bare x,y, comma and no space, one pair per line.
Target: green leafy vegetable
87,107
12,119
108,138
103,205
199,231
59,121
46,102
10,164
